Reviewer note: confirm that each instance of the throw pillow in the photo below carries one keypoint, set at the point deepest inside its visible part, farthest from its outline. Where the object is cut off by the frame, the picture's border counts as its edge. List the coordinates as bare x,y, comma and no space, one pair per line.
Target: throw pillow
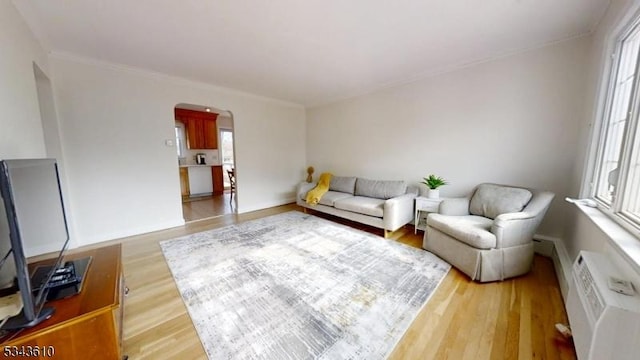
491,200
345,184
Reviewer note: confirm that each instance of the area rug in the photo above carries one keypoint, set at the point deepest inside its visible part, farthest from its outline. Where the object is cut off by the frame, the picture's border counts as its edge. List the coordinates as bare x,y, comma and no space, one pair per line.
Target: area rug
296,286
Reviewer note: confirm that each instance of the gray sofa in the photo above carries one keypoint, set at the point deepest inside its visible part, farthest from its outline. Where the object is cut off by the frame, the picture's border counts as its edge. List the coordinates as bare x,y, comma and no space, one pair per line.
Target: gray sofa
488,235
387,205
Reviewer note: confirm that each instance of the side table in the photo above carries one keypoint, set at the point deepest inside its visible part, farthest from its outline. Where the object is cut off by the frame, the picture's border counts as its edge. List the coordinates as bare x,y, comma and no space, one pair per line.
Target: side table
426,205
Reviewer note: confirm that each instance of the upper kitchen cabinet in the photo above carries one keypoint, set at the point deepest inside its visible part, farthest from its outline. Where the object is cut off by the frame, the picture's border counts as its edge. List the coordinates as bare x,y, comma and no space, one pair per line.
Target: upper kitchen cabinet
195,133
201,128
210,132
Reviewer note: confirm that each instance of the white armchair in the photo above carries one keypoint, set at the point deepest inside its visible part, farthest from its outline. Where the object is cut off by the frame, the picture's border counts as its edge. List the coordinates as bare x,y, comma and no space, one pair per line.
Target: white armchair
488,235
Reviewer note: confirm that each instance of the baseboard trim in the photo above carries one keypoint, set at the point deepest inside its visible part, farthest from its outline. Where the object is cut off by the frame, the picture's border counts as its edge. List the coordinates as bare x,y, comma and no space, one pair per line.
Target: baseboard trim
89,240
558,254
265,205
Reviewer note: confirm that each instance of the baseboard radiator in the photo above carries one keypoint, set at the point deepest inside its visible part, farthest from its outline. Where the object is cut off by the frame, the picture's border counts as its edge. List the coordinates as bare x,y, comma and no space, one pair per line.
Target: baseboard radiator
605,324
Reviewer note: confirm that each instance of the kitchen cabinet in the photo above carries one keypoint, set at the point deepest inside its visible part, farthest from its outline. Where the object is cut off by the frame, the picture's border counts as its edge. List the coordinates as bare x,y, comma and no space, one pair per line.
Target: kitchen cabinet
218,182
201,127
184,181
210,134
195,133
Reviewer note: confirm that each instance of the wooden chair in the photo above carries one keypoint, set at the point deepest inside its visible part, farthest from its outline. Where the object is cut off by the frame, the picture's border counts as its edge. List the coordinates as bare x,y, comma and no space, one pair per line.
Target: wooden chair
232,181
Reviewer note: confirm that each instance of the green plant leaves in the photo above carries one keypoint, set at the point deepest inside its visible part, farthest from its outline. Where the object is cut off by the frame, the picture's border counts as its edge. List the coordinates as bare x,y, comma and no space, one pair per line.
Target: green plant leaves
434,182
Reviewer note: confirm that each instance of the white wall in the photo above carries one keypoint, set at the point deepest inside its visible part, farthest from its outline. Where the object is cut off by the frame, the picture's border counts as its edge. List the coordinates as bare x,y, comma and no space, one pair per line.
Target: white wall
512,120
52,140
123,180
28,125
224,122
21,133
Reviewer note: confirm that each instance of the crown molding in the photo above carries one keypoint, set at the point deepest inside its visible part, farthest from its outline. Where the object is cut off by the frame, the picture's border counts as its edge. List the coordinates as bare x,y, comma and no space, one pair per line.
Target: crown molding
445,70
67,56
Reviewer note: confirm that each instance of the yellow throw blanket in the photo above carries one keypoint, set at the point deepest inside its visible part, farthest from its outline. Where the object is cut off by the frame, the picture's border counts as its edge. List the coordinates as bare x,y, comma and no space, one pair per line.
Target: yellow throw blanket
314,195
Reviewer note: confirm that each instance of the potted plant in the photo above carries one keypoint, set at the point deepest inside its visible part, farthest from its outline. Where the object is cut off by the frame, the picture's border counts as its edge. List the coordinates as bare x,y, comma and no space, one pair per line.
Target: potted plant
433,183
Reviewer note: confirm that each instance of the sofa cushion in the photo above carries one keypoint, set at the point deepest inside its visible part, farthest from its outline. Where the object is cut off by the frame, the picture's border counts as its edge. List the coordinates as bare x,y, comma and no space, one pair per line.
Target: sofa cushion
380,189
470,229
345,184
491,200
362,205
330,197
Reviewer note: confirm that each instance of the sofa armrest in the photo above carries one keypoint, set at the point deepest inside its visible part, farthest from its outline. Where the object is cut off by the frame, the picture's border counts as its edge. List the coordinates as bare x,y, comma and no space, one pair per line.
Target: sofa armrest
514,228
303,189
454,206
398,211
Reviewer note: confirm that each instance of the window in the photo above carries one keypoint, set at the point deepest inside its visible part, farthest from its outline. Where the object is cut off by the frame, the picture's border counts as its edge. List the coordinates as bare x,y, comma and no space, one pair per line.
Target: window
617,172
180,140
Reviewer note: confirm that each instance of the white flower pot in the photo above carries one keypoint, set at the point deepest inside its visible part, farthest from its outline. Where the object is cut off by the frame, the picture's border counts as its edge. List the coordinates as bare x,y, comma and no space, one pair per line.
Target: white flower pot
433,194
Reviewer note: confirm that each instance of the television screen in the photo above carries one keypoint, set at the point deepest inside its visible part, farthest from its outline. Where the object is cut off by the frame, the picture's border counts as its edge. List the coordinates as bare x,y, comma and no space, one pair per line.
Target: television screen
33,223
8,269
38,204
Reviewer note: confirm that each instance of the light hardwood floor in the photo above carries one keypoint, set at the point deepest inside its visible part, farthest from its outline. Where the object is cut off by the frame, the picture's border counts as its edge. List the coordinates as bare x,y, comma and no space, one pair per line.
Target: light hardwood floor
513,319
207,207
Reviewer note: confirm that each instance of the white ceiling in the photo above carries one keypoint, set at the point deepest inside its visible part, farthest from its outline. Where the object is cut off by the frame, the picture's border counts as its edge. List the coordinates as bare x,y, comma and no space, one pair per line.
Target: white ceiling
308,52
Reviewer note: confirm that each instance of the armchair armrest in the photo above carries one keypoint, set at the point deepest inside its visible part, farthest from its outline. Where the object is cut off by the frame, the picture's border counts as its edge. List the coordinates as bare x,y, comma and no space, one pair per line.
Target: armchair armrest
514,228
514,216
454,206
398,211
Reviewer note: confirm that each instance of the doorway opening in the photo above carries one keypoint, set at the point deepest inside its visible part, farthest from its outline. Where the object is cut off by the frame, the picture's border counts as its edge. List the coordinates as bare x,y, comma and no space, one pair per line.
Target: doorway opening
203,135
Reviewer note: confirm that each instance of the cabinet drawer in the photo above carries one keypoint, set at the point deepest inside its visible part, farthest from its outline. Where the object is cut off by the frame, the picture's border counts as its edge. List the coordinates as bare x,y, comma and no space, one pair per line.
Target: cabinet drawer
430,205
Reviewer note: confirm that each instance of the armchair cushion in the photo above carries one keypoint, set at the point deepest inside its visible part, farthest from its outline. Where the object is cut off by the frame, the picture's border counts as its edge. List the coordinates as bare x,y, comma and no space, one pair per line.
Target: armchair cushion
471,230
490,200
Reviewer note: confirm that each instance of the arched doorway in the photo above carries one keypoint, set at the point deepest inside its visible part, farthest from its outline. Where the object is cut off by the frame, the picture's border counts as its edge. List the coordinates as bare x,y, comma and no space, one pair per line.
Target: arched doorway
201,133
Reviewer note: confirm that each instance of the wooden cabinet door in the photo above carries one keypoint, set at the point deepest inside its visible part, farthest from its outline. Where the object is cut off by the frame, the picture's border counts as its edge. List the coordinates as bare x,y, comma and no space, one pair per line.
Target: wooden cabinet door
218,182
184,181
195,134
210,134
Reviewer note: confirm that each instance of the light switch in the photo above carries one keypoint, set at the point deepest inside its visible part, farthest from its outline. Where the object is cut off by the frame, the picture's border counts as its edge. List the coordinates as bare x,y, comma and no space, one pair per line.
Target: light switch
169,142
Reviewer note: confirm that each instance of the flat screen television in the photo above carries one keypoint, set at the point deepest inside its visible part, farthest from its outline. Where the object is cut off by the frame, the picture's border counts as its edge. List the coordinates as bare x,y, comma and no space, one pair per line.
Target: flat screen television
34,223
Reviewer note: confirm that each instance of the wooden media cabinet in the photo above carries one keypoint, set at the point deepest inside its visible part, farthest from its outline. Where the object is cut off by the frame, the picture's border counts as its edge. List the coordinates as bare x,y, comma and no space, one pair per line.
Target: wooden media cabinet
84,326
